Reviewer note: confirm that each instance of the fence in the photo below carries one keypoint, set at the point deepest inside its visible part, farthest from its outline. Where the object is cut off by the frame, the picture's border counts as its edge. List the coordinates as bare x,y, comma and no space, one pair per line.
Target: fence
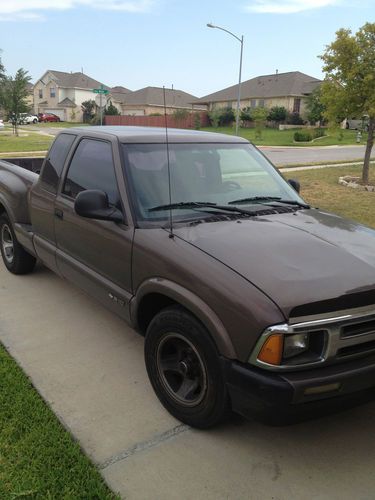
159,121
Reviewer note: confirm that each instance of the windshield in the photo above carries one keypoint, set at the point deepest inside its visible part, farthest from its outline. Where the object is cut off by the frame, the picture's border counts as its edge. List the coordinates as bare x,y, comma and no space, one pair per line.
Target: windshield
217,174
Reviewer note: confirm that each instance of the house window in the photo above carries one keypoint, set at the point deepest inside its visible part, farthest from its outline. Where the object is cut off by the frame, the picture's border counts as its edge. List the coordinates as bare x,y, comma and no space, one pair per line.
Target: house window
40,93
253,103
296,105
261,103
52,92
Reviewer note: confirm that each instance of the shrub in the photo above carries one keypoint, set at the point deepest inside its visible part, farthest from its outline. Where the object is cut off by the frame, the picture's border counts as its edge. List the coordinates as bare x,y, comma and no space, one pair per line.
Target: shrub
222,116
197,121
294,119
277,114
245,115
302,136
111,110
319,132
155,114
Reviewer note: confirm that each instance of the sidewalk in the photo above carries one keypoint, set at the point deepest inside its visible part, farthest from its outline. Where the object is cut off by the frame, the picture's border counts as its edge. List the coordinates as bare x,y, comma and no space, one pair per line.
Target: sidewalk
88,365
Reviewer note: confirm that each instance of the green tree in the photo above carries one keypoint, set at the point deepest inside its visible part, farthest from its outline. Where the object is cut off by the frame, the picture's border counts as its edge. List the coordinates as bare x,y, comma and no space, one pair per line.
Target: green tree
259,115
2,69
277,114
349,86
315,107
88,109
13,96
111,110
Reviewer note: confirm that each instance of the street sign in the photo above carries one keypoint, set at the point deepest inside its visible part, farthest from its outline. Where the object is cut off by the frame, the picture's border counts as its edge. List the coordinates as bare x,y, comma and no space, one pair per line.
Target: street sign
102,90
101,101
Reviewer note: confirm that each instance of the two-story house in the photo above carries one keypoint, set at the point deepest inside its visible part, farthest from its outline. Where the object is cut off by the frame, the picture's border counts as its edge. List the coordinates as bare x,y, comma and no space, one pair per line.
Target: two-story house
63,93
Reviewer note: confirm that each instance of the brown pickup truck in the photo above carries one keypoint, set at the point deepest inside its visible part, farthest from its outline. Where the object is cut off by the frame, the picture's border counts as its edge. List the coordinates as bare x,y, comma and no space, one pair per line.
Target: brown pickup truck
249,299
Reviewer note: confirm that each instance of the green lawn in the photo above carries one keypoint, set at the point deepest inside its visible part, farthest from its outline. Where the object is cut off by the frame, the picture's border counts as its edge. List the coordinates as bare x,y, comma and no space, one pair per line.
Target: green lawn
38,457
274,137
320,188
60,125
25,142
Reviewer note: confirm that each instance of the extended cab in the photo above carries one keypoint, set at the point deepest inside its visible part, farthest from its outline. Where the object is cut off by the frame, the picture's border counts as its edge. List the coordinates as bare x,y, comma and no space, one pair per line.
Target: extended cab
249,299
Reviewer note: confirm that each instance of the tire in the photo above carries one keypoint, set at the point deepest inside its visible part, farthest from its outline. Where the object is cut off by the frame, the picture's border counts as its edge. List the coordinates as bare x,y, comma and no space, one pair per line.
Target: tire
15,258
35,121
183,366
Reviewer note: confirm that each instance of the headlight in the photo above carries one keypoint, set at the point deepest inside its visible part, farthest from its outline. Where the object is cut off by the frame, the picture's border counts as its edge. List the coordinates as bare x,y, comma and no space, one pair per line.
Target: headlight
280,347
295,344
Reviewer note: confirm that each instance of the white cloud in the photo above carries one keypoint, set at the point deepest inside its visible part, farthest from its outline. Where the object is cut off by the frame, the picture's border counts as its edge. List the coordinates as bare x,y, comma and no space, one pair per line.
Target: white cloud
287,6
31,10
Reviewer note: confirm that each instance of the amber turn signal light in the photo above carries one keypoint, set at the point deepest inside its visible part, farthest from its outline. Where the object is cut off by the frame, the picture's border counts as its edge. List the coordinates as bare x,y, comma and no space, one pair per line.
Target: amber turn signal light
272,350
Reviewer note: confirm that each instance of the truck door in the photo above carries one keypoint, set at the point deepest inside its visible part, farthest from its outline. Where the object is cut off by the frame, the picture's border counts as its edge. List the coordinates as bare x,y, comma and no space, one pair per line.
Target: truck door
42,200
94,254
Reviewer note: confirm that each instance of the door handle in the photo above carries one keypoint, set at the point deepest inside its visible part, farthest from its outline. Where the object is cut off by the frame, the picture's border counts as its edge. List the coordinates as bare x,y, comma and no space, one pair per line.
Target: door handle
59,213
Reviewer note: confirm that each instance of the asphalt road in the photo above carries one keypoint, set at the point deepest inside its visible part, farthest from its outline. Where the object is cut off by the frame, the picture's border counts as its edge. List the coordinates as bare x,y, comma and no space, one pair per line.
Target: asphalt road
309,155
88,365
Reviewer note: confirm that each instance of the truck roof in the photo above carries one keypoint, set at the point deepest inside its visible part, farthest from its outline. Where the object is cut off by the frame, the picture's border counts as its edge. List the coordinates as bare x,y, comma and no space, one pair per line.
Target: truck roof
156,134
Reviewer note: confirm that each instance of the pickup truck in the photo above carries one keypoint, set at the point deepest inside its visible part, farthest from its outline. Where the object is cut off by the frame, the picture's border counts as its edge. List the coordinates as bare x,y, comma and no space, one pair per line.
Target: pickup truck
249,299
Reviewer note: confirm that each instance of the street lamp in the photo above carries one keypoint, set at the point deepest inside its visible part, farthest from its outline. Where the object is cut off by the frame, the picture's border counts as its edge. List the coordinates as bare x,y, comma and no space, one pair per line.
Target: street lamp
209,25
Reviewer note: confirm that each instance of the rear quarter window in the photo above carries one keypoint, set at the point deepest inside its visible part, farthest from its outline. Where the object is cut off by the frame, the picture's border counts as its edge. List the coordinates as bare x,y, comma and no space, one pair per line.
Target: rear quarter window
55,161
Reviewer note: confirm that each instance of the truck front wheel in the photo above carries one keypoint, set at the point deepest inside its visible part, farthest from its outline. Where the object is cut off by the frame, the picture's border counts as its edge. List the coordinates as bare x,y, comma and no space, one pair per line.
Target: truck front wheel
15,258
184,368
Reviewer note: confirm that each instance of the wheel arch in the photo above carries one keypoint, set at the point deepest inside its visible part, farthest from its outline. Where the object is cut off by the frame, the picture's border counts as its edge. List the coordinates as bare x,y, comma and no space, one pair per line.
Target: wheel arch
155,294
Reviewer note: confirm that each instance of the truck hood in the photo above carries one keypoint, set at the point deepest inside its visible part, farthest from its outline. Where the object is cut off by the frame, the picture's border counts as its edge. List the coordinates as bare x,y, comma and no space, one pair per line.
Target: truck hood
296,259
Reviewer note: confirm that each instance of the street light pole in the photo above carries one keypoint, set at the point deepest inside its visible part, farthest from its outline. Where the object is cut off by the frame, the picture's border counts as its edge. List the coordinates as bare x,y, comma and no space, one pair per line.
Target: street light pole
209,25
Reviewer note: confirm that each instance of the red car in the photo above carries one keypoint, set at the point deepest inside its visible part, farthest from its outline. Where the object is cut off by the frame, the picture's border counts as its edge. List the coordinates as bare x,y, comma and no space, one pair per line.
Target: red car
48,117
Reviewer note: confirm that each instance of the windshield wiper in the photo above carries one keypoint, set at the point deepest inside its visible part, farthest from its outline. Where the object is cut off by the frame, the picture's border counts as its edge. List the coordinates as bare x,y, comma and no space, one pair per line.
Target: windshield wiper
269,198
200,204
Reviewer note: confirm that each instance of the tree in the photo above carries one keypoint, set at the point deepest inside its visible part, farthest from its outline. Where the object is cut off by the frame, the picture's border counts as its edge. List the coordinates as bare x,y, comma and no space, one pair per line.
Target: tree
111,110
13,95
88,108
315,107
259,115
349,86
277,114
2,69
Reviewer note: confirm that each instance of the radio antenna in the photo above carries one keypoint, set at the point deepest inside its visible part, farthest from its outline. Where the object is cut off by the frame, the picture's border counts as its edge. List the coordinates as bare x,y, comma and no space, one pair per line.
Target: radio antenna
171,235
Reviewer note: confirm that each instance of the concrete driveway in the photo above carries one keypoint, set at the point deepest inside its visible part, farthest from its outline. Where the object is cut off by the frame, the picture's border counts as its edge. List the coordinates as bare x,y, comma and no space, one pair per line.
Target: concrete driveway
88,365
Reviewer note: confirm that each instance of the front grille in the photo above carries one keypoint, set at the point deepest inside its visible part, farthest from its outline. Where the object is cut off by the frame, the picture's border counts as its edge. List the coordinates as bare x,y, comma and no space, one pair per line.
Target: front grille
358,329
349,334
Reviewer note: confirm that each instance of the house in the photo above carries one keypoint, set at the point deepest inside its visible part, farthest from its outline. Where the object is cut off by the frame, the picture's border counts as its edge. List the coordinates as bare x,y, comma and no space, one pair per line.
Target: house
63,93
150,100
280,89
30,96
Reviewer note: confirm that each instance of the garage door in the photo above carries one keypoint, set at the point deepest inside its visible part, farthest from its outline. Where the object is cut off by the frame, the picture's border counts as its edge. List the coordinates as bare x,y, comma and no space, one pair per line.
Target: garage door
58,112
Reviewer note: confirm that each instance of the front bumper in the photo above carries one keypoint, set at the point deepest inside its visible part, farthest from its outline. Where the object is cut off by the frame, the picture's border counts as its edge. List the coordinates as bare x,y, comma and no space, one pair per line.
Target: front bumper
254,391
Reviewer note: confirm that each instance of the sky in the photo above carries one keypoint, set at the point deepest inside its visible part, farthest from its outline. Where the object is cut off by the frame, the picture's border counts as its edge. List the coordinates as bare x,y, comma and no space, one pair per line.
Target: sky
137,43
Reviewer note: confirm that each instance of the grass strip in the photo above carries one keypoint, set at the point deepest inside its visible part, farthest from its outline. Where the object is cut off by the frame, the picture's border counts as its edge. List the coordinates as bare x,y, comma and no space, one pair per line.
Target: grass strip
39,459
321,189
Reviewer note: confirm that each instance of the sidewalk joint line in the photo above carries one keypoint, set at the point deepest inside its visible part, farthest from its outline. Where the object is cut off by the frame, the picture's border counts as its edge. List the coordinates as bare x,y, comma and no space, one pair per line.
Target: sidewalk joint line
145,445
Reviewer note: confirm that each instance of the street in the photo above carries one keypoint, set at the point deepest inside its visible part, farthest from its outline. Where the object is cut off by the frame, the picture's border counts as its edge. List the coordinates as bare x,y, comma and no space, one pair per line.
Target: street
309,155
88,365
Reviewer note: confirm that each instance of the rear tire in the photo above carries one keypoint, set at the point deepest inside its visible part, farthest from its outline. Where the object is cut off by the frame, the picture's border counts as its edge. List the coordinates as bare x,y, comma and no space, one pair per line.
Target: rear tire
184,368
15,257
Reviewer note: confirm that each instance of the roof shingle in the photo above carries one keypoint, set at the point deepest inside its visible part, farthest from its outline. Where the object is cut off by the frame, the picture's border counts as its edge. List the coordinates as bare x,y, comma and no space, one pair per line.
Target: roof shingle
293,83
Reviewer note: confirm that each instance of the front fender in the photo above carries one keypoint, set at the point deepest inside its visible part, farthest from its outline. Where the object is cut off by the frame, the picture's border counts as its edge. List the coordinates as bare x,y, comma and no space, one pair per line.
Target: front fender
191,302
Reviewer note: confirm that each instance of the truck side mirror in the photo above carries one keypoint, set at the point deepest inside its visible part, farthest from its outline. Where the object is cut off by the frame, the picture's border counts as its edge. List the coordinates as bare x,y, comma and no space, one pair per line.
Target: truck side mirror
295,185
93,204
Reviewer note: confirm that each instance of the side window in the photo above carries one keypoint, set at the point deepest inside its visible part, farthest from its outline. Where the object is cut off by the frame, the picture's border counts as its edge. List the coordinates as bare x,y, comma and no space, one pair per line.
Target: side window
92,168
54,164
